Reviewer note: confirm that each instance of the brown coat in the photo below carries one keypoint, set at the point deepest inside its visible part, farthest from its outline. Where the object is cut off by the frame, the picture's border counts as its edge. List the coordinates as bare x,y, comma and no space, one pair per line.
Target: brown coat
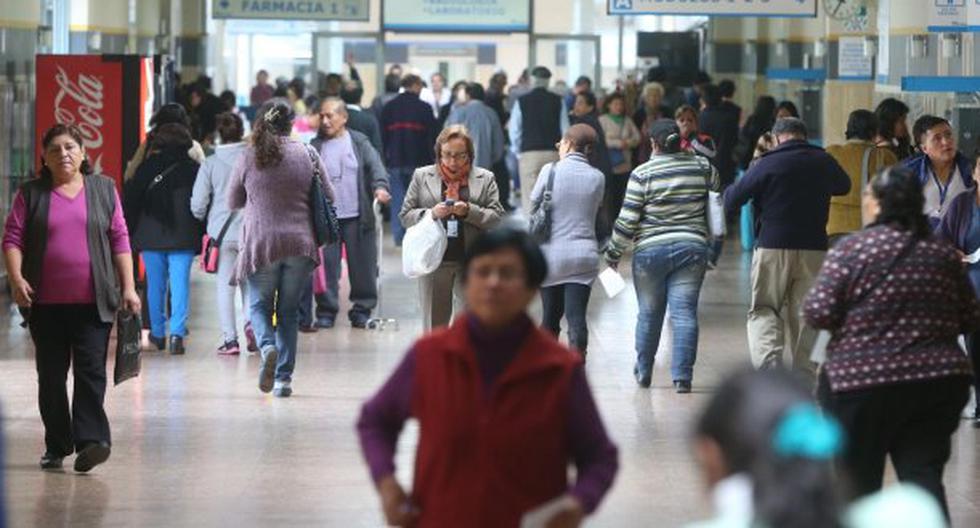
845,211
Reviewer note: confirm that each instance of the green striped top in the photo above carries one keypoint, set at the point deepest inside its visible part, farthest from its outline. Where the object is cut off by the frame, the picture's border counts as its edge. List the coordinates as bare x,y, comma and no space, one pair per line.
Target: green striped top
666,201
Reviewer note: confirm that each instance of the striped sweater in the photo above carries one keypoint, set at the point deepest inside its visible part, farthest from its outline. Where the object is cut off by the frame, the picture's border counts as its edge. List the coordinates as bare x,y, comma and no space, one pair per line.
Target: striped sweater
665,202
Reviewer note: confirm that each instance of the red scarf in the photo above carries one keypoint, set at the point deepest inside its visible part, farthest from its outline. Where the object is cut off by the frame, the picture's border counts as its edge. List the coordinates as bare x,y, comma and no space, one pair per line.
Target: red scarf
454,181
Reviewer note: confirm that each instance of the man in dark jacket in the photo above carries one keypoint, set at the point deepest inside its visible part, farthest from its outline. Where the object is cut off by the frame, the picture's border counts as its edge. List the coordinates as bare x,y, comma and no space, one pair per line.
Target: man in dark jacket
943,171
408,133
358,178
359,119
538,121
722,125
791,186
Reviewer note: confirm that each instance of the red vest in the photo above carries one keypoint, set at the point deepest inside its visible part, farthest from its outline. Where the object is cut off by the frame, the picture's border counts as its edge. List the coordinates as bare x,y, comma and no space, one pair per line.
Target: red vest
484,462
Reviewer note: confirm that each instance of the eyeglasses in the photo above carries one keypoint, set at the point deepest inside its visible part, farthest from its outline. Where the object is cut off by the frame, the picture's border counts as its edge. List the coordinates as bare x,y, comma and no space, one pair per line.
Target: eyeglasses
455,156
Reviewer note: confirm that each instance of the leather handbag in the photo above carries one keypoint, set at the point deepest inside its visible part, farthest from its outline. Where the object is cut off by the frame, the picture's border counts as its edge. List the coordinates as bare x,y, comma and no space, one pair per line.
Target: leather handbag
539,226
326,227
210,247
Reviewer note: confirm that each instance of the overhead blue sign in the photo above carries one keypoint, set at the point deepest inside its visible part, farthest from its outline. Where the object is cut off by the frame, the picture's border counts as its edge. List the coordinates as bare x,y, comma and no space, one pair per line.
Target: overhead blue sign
743,8
293,9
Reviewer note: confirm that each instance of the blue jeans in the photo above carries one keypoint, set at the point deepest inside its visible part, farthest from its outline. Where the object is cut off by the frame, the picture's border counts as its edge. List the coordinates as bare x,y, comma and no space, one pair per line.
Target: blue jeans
398,180
276,289
668,275
163,269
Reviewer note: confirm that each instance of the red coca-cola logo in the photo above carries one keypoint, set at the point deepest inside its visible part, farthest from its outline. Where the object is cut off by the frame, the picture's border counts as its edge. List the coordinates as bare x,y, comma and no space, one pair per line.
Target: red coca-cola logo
82,98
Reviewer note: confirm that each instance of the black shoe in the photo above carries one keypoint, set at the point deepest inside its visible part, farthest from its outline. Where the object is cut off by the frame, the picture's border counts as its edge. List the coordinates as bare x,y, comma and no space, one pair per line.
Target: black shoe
91,455
159,342
642,381
325,323
682,387
307,329
176,346
49,461
359,320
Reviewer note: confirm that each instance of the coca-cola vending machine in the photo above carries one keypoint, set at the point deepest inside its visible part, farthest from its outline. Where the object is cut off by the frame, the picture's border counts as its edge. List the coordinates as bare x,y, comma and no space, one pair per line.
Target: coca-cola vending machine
109,98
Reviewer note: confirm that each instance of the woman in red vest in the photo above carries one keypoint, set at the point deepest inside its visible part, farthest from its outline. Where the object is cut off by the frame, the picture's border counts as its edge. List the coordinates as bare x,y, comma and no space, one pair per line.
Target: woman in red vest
503,409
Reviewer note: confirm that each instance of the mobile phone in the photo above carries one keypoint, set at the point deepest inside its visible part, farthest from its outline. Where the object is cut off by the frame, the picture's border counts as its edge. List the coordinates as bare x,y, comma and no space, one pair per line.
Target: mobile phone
450,202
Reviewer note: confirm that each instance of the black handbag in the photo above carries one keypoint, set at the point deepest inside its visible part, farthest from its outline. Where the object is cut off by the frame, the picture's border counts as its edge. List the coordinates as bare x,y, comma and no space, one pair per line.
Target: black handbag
326,227
539,226
128,334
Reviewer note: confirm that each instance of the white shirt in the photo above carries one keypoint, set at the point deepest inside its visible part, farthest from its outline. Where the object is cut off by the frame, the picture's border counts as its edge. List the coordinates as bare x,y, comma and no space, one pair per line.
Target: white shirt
938,198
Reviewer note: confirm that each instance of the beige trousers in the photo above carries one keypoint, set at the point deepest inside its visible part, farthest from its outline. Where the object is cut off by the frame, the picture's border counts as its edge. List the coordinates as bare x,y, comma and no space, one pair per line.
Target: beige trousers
529,164
781,279
441,294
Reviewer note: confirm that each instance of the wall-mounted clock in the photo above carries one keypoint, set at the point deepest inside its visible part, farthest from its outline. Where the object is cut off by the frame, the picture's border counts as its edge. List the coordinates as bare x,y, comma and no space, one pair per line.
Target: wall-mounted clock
846,9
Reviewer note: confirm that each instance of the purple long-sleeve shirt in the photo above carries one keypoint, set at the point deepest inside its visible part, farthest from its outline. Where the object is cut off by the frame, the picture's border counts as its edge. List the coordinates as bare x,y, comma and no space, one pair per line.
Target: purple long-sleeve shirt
383,416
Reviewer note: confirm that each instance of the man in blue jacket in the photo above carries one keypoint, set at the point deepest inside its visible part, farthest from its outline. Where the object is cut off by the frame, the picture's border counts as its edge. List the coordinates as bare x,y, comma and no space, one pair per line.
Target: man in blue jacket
408,134
943,171
791,186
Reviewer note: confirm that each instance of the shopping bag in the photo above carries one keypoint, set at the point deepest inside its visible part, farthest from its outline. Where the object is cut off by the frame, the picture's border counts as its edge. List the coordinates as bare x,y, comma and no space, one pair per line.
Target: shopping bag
128,328
716,215
423,247
612,282
319,279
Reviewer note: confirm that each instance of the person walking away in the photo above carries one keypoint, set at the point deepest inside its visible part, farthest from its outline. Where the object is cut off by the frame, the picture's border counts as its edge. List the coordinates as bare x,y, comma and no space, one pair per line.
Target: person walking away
895,299
622,137
359,119
572,251
482,124
277,249
861,159
408,130
961,227
209,205
358,178
157,203
664,219
531,391
69,265
464,198
893,128
537,122
943,171
719,120
790,187
759,122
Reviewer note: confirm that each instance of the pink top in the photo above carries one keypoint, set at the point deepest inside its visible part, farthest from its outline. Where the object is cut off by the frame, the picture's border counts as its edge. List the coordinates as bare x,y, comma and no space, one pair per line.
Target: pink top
67,268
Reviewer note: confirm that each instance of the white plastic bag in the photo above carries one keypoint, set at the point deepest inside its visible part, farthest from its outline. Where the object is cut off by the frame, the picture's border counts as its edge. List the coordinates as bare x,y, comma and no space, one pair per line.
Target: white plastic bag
423,247
716,215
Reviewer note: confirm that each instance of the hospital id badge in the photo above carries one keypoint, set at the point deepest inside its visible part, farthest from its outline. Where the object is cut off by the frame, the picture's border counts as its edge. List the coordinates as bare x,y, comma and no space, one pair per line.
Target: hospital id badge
452,228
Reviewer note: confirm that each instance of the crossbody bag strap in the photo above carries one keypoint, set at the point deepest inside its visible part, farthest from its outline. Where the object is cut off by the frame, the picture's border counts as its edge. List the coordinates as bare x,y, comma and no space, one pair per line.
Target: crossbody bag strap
227,224
159,177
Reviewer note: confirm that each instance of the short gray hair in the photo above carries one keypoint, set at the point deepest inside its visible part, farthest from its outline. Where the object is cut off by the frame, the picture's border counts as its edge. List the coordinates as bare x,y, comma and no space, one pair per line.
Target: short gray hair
789,126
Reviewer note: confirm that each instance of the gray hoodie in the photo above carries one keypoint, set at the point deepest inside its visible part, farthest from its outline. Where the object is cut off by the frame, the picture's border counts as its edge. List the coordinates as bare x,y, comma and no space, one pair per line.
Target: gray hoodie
212,180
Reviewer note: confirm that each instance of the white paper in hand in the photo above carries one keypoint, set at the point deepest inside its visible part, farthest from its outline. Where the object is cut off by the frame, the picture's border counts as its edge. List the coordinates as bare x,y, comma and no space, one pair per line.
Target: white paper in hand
540,516
972,258
612,282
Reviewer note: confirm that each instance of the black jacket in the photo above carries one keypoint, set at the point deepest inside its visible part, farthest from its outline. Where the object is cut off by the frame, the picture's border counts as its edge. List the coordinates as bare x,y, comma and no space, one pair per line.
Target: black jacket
372,174
600,158
159,214
364,122
722,125
791,186
408,131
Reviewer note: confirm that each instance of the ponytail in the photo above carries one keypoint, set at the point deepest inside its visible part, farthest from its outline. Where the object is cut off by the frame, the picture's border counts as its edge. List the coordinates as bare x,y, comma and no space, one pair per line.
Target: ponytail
273,121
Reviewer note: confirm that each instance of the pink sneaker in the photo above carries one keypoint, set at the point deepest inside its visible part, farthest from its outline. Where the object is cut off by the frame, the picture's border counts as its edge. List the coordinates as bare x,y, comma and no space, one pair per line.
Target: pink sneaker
229,349
251,344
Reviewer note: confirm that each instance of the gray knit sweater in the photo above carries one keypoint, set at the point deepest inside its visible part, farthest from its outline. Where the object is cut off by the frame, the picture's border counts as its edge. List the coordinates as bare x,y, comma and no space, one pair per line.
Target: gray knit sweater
276,221
572,252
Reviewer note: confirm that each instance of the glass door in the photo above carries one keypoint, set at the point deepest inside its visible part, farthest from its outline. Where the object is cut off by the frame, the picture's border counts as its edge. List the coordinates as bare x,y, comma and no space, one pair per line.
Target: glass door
568,57
334,52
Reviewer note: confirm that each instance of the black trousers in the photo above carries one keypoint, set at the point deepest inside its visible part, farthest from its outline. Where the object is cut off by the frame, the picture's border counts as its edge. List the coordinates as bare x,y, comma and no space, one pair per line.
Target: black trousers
570,300
362,271
71,335
615,194
911,422
502,176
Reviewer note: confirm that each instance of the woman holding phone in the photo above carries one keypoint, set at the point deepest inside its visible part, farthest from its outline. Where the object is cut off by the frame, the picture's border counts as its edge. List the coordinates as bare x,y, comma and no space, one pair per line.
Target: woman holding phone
464,198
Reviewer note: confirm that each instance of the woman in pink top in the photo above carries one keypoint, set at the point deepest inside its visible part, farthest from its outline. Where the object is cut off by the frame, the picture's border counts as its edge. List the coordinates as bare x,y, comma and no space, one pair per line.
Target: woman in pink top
68,261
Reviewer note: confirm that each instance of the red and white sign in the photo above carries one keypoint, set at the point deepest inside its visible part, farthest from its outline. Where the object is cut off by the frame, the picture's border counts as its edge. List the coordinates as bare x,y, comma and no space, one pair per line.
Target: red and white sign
85,91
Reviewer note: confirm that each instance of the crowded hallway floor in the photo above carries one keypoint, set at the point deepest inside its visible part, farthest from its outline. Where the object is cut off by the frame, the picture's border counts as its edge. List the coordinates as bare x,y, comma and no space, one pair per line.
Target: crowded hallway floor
195,444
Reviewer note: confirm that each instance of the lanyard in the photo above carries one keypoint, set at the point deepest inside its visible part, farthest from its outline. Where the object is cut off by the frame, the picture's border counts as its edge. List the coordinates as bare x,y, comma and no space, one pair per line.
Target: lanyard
943,189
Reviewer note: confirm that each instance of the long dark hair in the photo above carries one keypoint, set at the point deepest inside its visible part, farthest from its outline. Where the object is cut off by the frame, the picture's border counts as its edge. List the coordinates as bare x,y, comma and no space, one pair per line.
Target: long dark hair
764,113
273,122
889,112
792,488
899,195
60,129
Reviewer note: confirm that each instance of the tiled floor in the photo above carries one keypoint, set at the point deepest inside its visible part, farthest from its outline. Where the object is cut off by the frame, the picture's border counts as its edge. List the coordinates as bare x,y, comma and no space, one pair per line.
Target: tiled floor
196,444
